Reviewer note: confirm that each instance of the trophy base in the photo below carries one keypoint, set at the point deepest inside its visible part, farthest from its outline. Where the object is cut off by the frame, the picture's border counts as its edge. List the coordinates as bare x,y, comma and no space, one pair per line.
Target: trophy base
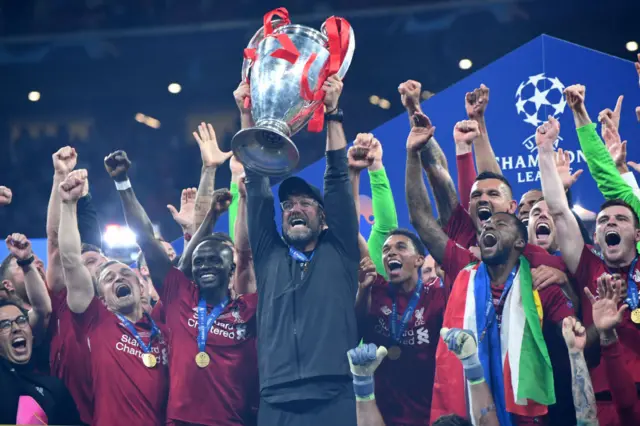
265,151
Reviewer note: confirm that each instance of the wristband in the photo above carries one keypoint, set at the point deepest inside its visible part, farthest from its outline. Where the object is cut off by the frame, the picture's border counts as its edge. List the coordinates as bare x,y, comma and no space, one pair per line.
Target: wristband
123,186
25,262
363,388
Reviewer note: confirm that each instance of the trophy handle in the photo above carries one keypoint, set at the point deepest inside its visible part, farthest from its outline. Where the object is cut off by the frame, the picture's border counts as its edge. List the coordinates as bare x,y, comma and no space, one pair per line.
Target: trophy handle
346,61
253,45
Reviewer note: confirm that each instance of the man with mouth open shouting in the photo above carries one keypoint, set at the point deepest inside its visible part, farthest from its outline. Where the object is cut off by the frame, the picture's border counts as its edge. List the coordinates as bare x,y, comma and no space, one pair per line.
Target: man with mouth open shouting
307,282
617,232
128,348
405,315
213,373
502,242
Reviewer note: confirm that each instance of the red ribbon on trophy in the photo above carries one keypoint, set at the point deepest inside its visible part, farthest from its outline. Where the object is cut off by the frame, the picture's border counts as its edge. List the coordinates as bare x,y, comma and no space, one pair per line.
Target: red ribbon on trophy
338,30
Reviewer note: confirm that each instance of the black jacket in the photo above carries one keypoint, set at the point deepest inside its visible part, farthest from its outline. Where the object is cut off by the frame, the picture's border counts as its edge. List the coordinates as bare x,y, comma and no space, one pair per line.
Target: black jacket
306,324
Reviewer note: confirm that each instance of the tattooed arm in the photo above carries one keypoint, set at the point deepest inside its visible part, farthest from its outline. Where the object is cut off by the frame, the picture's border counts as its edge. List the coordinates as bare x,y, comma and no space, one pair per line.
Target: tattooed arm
420,212
444,191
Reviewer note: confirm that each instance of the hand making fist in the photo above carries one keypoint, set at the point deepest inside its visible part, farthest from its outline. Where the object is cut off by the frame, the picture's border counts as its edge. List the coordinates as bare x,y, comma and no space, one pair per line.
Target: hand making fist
476,102
73,187
65,160
117,165
410,95
421,132
5,196
547,134
19,246
366,273
575,96
466,131
574,333
221,200
242,95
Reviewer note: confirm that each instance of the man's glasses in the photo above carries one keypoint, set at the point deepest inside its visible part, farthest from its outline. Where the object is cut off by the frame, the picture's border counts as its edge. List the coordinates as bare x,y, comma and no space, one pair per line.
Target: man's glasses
5,325
305,204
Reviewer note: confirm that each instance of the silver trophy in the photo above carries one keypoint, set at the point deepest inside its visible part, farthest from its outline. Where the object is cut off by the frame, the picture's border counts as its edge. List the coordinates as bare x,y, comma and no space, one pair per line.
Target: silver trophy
280,101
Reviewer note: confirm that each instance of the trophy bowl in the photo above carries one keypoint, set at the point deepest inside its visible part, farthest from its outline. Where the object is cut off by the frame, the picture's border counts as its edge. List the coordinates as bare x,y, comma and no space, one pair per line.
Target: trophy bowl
279,106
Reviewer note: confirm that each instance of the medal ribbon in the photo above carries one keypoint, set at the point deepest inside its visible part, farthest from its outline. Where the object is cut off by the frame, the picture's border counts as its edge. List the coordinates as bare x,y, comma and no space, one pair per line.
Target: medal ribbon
206,321
632,288
155,331
299,256
397,327
488,321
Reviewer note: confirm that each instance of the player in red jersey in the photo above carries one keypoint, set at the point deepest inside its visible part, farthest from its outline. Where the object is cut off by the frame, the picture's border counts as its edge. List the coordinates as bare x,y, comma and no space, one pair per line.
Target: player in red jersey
128,348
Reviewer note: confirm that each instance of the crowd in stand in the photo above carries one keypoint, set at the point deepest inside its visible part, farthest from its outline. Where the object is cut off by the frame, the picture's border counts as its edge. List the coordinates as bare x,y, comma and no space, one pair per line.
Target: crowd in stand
497,312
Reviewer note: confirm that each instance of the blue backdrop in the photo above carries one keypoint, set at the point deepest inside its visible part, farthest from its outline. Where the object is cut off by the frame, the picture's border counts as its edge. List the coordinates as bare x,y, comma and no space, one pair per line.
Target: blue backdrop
526,86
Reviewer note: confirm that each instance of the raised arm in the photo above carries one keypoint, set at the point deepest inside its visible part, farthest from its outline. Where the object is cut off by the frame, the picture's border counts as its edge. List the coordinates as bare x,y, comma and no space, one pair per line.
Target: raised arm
212,158
117,165
359,158
80,289
242,94
569,238
476,104
219,205
237,173
601,165
420,212
64,160
245,276
363,361
384,207
432,156
339,207
584,400
20,247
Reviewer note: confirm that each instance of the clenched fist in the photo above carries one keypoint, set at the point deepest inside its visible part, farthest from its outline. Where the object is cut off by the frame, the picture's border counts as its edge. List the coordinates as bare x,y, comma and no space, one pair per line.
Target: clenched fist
575,96
242,95
221,201
466,131
64,160
19,246
366,273
547,134
74,186
117,165
476,102
5,196
410,95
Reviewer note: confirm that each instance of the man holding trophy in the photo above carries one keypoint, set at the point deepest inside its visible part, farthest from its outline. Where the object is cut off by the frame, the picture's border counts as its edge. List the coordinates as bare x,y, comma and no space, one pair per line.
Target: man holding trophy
306,278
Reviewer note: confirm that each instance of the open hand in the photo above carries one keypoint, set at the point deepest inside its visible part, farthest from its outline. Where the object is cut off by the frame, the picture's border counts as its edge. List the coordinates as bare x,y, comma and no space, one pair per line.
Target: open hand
210,152
617,148
606,315
19,246
421,132
563,167
476,102
186,216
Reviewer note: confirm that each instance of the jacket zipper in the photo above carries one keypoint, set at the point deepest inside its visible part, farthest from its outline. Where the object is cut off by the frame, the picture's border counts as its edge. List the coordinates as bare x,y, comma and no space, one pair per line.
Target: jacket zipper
295,317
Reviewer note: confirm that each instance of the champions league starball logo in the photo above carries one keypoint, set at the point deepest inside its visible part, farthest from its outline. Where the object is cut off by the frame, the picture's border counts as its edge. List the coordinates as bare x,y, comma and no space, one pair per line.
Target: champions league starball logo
536,98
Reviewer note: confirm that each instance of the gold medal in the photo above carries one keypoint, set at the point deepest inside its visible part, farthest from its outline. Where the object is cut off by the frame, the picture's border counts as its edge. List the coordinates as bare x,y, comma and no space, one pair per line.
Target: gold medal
394,353
149,360
635,315
202,359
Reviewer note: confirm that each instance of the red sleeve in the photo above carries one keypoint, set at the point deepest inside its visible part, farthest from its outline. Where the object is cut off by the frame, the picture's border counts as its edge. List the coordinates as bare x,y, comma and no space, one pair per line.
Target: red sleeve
158,313
589,268
455,259
621,385
460,228
555,305
90,319
538,256
466,177
175,283
58,300
248,304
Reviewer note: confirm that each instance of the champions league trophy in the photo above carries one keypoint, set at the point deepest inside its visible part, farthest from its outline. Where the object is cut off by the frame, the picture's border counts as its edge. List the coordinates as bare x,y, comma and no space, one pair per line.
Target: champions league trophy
285,66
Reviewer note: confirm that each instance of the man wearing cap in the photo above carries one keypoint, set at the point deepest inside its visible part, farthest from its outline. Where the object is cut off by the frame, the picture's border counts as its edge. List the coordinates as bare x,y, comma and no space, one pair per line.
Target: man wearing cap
307,284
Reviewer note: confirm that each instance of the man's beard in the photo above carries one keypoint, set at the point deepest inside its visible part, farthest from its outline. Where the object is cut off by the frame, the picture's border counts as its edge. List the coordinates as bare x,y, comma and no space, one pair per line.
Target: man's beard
301,239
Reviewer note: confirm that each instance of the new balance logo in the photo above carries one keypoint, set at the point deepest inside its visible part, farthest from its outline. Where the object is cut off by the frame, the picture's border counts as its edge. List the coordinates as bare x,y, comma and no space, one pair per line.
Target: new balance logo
423,335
